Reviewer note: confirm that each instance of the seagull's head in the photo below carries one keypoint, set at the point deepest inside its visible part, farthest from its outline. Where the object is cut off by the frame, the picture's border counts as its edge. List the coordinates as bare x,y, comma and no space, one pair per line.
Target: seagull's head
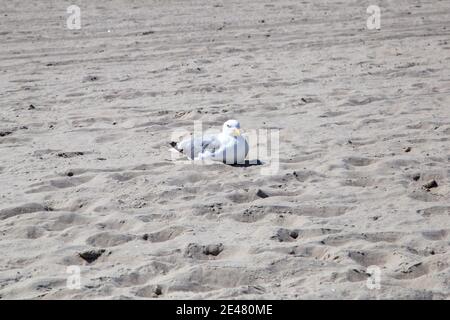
232,128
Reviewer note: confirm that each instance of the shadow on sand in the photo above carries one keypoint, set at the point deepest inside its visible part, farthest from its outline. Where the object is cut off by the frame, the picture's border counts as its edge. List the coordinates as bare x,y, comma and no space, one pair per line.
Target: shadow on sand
247,163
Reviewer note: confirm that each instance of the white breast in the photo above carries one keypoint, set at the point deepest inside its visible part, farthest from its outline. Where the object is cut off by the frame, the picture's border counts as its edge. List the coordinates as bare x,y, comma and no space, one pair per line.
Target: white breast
235,151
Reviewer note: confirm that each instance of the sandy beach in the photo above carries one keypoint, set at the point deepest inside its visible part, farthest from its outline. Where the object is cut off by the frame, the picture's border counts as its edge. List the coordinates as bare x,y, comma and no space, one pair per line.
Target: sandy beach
88,181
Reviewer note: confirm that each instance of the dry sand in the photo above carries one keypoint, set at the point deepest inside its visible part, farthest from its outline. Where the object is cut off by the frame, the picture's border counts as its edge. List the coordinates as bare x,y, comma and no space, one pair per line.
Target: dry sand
361,113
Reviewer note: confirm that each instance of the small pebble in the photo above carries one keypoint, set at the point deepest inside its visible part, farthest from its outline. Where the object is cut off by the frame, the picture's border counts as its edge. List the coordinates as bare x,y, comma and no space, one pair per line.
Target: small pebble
158,290
213,249
90,78
262,194
430,185
91,255
5,133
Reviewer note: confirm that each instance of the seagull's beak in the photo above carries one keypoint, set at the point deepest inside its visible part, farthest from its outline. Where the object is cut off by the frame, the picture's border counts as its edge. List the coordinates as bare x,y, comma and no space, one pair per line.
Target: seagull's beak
236,132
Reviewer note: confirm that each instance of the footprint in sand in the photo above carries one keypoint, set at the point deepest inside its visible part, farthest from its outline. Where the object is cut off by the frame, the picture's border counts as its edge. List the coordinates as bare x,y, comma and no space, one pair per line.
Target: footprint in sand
108,239
164,235
22,210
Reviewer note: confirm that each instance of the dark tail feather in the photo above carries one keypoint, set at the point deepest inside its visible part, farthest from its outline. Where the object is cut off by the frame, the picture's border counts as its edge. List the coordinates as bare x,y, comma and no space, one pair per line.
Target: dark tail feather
175,146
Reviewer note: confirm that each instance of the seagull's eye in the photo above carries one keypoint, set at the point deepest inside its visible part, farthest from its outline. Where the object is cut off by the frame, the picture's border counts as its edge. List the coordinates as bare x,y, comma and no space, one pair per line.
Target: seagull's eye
228,126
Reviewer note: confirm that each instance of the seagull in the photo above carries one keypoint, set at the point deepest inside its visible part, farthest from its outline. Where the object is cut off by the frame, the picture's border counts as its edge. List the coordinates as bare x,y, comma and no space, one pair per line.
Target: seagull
229,146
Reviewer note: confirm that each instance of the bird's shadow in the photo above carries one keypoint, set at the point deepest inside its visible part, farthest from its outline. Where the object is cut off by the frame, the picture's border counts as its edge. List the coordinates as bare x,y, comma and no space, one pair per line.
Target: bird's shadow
247,163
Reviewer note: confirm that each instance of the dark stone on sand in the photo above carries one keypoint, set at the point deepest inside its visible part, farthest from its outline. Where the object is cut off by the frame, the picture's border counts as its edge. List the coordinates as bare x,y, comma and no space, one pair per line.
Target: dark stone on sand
145,237
5,133
213,249
70,154
158,290
31,107
285,235
408,149
416,177
262,194
70,174
90,78
430,185
195,250
91,255
146,33
294,234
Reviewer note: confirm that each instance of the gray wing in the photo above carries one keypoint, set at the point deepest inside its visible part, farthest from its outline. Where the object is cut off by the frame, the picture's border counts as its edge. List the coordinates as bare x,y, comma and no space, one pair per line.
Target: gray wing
195,145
